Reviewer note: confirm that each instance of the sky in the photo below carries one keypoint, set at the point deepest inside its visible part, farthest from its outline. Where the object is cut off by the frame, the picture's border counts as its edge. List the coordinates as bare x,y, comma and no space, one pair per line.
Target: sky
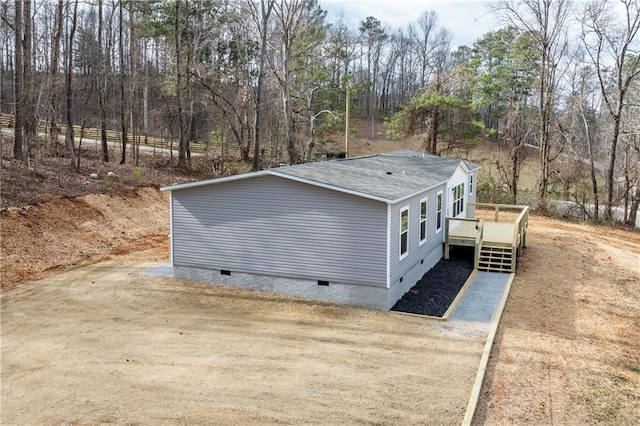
467,20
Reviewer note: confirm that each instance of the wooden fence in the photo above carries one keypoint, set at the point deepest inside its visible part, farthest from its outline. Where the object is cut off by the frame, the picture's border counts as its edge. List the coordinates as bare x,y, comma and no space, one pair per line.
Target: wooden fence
159,143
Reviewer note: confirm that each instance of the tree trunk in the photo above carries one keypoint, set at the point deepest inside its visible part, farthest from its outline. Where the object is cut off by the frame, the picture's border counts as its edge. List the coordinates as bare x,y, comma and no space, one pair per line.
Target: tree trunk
69,89
123,101
434,130
53,86
290,127
544,134
635,202
145,102
183,148
133,103
18,83
609,179
264,24
102,87
515,171
29,98
592,166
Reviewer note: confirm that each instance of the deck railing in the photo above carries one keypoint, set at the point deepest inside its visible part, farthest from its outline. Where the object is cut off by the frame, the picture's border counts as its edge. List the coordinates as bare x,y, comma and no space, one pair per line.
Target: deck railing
478,244
521,220
470,231
463,232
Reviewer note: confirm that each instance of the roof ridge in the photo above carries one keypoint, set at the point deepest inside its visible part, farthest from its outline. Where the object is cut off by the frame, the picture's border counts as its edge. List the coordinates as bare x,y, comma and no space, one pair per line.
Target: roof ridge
379,176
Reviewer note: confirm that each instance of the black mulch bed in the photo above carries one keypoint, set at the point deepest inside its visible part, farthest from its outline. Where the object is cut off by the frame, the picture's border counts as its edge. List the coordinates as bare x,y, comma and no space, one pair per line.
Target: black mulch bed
435,291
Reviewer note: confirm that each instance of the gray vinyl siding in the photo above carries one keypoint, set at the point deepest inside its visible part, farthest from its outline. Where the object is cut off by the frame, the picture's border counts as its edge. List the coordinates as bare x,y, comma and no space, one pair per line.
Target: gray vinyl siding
416,252
275,226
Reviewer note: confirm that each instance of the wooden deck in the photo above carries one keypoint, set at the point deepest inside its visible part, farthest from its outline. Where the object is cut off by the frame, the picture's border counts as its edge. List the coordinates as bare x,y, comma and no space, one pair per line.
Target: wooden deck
494,232
497,242
498,232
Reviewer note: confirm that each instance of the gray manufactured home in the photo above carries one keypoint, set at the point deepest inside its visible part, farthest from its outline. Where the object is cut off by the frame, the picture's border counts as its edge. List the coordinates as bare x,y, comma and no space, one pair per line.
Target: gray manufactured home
360,231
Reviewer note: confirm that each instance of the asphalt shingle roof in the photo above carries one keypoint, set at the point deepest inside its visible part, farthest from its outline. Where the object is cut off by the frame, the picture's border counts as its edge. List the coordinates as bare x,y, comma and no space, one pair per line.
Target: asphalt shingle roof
390,176
387,177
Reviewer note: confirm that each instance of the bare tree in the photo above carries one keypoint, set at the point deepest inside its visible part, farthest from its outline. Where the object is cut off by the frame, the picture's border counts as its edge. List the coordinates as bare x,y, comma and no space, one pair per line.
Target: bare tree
102,84
123,101
301,29
375,38
261,20
439,66
53,76
18,82
28,93
517,129
133,87
69,86
634,181
583,80
546,21
423,33
184,153
611,45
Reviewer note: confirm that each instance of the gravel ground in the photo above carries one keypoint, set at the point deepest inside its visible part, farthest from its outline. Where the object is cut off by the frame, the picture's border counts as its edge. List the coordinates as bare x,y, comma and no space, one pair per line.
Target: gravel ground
435,291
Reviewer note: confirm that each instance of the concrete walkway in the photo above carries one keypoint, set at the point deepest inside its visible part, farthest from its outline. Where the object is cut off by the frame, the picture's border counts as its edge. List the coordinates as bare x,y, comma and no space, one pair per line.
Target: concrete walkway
480,302
159,271
483,303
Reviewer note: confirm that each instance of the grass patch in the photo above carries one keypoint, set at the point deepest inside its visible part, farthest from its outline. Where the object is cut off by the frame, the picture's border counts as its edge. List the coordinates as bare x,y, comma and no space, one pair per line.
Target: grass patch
138,175
107,181
604,403
630,366
624,285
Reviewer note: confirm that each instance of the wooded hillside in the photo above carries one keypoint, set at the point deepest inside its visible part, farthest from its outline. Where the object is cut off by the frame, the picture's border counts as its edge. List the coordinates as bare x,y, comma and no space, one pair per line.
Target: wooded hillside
270,81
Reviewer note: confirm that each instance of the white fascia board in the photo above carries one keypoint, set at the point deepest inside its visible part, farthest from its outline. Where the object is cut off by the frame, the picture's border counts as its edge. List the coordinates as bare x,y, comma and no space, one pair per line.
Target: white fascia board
214,181
478,167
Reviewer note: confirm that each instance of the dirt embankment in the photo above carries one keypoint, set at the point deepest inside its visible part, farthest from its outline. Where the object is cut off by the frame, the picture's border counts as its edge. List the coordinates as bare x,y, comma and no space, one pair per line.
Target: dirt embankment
63,231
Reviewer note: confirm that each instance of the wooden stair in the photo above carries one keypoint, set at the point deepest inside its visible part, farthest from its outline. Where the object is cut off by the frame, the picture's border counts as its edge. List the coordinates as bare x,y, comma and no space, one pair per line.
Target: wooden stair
496,259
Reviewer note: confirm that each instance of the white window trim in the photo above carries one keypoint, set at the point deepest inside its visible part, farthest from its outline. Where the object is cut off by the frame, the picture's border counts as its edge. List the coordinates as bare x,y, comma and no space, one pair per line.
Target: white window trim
455,201
440,195
426,221
471,183
402,210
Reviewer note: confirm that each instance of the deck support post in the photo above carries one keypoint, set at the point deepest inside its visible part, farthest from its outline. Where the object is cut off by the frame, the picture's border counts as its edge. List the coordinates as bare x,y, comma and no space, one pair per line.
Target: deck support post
446,238
497,244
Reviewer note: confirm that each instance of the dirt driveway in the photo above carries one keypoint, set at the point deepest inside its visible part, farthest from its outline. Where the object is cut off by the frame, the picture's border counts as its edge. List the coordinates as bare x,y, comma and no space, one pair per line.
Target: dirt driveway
105,344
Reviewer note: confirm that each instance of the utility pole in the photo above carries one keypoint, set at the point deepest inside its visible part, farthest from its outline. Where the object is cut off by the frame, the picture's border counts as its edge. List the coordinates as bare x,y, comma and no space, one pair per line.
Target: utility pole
346,124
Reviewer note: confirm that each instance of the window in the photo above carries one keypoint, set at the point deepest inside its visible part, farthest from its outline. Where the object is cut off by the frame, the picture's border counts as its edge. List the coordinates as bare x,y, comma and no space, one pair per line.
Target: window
470,183
404,232
423,221
458,199
439,212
